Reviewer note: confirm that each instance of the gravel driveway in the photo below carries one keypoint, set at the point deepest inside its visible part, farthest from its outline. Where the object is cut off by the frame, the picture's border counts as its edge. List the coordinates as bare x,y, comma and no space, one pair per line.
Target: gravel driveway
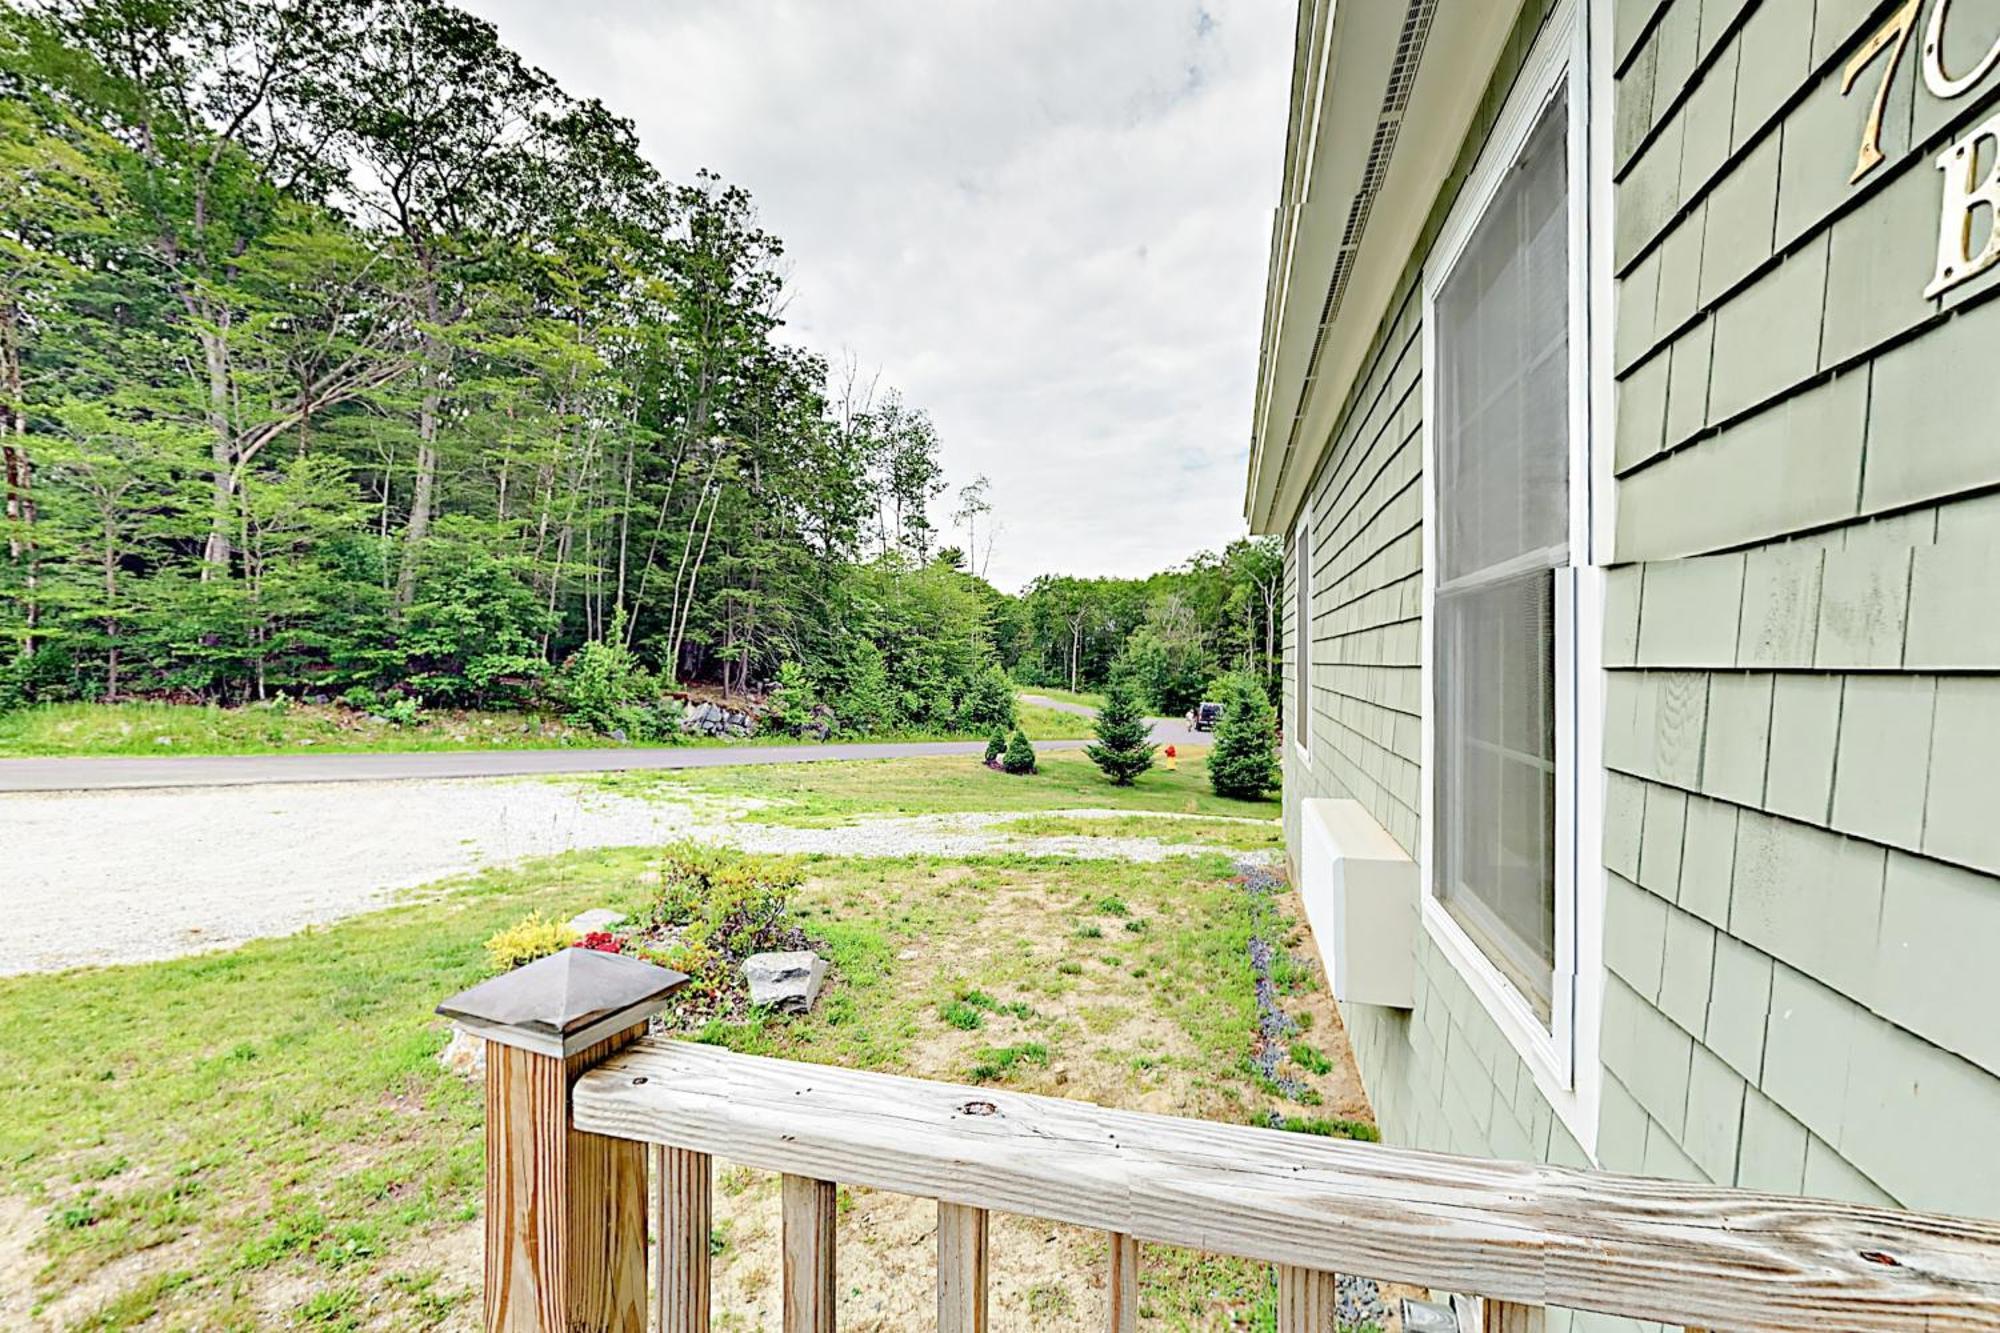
161,873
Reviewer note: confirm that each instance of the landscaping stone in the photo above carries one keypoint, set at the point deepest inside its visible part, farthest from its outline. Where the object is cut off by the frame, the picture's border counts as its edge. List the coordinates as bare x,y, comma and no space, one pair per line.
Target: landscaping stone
597,918
784,981
711,719
464,1055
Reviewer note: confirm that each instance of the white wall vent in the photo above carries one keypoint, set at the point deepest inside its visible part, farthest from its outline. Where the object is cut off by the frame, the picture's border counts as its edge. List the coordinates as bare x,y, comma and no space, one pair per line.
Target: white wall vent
1360,893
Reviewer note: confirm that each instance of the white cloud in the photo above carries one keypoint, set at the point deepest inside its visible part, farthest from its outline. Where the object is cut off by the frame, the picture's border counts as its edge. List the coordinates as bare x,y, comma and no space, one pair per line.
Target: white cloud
1046,222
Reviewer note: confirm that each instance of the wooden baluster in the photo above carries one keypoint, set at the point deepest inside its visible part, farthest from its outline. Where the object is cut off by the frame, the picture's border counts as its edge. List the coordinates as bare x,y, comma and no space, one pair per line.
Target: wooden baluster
683,1217
1307,1300
1513,1317
961,1269
565,1210
1122,1289
810,1211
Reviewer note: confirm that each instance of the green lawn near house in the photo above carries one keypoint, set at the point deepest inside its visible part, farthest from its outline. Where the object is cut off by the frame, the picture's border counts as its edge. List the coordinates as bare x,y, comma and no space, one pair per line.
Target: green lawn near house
148,728
839,791
264,1137
1237,833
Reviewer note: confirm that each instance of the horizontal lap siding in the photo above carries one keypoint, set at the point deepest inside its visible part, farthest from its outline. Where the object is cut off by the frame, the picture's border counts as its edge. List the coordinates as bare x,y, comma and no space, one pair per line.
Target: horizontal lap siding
1803,631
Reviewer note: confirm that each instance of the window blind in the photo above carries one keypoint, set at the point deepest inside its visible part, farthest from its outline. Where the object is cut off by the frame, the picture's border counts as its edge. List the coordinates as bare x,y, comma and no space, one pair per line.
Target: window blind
1502,459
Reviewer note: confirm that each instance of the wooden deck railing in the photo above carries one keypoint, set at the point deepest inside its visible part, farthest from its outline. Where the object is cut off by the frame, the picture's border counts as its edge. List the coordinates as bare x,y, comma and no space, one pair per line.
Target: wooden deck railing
1525,1238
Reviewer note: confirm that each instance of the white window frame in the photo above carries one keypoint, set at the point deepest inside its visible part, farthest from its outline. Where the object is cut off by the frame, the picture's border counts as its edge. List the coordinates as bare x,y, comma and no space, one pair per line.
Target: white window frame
1569,61
1302,611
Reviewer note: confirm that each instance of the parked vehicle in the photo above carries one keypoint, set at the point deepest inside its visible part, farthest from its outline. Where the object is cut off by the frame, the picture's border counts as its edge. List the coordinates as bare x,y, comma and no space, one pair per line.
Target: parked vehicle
1205,716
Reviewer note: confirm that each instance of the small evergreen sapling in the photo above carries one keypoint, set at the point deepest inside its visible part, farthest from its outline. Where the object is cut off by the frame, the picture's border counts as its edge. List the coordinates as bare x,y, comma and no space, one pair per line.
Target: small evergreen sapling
1124,747
1020,754
1244,762
995,748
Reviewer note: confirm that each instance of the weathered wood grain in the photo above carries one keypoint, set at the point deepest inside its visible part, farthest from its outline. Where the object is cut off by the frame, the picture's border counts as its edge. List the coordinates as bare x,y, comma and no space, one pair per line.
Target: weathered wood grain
1121,1288
1509,1317
683,1215
809,1276
961,1269
565,1208
1308,1300
1537,1235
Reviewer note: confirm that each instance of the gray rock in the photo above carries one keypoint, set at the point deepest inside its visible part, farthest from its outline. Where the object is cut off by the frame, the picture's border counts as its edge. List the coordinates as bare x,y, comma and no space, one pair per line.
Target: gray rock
597,918
464,1055
785,981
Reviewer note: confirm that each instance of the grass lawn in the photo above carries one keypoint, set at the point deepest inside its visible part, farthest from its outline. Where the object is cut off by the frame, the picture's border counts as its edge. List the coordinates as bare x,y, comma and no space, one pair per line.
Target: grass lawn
264,1137
836,792
1084,697
160,728
1234,834
164,729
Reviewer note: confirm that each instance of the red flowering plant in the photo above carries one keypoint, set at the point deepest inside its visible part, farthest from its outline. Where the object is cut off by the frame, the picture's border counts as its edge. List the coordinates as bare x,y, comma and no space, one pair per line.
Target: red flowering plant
603,941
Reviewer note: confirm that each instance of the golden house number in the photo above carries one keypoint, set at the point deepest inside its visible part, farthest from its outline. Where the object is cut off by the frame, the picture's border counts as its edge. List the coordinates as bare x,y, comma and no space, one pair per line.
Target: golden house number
1965,189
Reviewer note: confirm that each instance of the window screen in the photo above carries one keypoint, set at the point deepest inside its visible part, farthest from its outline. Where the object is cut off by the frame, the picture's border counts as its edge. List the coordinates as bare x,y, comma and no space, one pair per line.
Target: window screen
1302,659
1502,459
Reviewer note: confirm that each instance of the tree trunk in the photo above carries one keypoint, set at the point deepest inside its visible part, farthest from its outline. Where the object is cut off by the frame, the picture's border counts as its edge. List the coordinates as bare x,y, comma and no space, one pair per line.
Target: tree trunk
221,446
424,486
110,611
686,607
20,477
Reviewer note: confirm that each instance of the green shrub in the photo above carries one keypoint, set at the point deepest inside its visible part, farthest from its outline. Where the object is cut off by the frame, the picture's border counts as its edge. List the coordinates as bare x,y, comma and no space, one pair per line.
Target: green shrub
1244,762
1124,745
533,936
603,687
722,906
793,703
404,712
867,703
735,901
996,748
1020,756
988,703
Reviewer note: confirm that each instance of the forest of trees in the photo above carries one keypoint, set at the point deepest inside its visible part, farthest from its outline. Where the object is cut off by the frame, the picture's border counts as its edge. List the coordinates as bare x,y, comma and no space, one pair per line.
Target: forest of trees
342,352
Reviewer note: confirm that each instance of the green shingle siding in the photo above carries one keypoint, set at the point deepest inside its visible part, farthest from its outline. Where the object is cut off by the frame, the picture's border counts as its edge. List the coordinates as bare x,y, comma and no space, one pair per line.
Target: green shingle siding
1803,636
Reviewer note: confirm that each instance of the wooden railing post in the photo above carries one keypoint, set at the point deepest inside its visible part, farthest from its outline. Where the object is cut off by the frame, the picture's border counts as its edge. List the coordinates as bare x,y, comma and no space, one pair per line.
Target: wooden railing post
684,1219
1121,1288
810,1208
961,1269
1308,1300
565,1210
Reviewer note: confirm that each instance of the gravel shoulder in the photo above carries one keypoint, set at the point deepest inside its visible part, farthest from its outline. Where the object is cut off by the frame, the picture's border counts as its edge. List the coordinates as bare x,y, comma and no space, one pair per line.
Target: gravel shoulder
131,876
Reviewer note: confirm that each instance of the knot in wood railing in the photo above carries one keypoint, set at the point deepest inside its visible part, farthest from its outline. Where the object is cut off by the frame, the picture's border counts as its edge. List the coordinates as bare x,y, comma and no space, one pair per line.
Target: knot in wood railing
567,1192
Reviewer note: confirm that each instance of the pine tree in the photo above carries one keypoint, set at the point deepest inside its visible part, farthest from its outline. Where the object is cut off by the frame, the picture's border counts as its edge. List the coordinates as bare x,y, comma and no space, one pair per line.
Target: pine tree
1244,762
995,749
1124,747
1020,754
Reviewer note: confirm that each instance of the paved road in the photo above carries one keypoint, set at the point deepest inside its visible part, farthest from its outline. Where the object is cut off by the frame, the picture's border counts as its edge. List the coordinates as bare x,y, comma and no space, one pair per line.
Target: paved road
103,772
1166,730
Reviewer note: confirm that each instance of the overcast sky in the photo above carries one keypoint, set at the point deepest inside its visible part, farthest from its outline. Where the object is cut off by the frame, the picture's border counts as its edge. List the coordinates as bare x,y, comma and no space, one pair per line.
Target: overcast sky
1045,221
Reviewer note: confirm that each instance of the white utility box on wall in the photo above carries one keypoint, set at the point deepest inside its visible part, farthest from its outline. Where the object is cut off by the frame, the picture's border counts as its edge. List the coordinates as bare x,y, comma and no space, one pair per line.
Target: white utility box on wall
1360,893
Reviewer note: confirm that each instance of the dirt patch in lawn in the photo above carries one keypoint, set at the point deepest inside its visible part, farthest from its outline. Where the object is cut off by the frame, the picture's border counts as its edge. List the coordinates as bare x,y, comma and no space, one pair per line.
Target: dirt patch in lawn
1125,986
